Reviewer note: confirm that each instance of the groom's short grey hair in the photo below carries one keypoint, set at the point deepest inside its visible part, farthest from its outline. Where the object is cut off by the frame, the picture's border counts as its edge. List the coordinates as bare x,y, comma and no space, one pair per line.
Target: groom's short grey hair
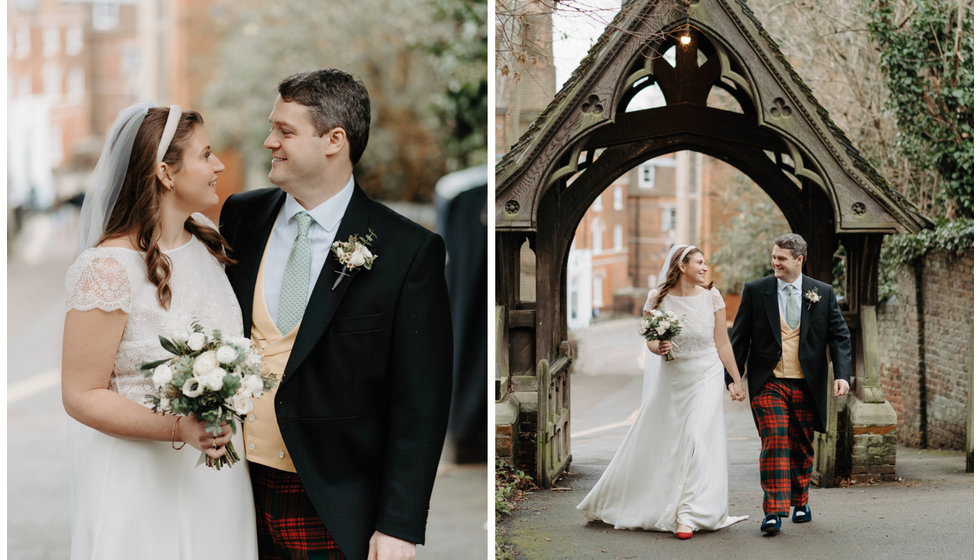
336,99
794,242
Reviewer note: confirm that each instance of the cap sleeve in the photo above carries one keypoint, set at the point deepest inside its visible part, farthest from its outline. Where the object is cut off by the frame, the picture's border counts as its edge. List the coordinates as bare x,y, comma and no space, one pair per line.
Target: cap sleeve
651,299
98,281
717,301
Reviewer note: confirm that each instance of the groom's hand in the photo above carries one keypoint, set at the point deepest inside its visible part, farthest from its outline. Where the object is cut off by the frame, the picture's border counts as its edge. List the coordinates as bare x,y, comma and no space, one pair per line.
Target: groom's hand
384,547
841,387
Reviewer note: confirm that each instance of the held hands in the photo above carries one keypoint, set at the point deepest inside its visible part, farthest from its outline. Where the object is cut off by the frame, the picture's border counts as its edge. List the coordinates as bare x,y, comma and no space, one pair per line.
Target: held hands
841,387
192,431
736,391
384,547
660,347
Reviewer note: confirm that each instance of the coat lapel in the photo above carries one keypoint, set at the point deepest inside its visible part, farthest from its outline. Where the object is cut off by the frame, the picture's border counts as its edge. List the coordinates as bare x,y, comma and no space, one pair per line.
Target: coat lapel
805,307
251,245
772,309
324,300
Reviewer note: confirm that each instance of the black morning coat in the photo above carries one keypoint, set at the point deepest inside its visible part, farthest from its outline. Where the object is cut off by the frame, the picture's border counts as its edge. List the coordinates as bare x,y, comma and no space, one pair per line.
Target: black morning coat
757,341
364,399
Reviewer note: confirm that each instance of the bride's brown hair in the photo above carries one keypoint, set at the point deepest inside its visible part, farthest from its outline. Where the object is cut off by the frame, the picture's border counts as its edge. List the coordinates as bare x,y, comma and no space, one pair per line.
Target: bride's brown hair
137,210
674,272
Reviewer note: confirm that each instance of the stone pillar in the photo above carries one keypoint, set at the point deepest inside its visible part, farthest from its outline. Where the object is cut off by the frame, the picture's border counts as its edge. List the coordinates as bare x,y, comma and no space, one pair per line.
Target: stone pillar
870,427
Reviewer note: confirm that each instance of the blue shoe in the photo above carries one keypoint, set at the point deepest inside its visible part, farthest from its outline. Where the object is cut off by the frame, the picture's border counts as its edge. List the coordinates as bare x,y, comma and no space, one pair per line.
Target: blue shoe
771,524
802,514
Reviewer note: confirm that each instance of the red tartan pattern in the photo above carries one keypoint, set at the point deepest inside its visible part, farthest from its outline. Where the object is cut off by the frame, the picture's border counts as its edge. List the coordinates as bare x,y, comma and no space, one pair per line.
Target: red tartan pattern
288,526
784,416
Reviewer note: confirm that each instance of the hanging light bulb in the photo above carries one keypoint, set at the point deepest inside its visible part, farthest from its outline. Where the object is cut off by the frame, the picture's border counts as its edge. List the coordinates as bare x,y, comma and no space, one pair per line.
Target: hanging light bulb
686,38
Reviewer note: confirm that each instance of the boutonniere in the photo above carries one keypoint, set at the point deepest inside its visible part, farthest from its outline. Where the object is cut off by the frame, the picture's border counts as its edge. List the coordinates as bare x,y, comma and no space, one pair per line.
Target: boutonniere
812,297
353,254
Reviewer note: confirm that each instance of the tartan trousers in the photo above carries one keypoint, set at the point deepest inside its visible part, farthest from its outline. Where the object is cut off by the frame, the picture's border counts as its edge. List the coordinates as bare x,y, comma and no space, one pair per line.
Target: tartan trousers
288,526
784,416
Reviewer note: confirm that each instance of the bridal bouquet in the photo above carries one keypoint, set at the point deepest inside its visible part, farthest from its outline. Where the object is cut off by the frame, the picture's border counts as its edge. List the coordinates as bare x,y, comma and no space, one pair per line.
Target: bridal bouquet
212,377
661,325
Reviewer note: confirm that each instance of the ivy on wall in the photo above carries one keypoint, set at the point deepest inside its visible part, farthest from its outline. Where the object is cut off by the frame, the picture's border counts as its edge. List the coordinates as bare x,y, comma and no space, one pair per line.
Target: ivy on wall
926,58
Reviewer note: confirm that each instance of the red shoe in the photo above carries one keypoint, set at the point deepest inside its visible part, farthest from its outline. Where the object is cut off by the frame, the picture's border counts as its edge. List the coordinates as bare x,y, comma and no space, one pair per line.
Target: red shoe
684,536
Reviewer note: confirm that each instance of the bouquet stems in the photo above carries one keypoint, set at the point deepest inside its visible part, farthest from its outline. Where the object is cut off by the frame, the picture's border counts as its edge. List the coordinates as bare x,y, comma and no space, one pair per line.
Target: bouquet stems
228,459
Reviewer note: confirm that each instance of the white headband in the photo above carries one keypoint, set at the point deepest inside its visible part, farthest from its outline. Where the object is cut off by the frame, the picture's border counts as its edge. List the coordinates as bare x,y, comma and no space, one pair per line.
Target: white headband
684,254
173,118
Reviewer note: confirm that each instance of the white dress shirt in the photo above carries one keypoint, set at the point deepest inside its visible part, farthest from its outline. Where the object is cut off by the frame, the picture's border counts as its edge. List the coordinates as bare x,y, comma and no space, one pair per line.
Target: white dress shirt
781,294
326,220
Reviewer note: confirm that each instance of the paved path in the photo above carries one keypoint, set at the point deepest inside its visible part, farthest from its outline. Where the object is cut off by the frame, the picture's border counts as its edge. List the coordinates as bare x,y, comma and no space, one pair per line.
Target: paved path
37,488
929,514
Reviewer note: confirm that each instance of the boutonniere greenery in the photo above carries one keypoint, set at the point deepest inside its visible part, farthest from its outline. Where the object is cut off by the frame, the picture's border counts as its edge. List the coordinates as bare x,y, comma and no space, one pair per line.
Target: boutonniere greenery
353,254
812,297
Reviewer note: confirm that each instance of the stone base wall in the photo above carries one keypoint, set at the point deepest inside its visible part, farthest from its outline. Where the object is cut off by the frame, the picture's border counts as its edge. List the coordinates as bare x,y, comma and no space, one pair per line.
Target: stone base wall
929,383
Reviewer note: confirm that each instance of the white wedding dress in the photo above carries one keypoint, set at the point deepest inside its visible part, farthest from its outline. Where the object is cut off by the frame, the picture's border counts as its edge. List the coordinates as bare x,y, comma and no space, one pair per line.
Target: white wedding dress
143,499
672,467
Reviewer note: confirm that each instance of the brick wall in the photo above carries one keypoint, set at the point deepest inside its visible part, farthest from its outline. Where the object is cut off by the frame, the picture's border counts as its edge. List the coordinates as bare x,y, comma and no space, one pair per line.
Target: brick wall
947,327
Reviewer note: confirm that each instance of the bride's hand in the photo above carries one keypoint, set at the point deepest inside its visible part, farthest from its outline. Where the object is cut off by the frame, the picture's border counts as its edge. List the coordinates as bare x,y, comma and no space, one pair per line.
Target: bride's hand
736,391
192,431
660,347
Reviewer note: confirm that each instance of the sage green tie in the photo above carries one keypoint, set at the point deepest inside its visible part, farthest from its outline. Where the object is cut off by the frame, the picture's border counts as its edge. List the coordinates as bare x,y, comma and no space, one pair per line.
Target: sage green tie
296,277
792,307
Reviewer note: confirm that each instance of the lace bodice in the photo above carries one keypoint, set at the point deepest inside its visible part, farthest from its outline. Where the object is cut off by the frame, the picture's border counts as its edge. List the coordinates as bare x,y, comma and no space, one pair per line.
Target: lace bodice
114,278
697,318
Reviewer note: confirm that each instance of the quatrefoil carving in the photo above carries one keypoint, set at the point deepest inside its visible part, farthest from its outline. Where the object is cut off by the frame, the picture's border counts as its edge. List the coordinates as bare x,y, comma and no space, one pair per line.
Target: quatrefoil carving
512,207
779,108
592,105
859,208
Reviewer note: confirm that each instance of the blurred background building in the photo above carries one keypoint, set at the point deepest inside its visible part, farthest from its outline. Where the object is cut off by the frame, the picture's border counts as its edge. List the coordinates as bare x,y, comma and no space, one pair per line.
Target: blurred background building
73,64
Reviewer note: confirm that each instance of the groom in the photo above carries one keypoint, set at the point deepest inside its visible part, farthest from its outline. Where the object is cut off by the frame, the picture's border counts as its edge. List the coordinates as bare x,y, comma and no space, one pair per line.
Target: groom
343,453
783,328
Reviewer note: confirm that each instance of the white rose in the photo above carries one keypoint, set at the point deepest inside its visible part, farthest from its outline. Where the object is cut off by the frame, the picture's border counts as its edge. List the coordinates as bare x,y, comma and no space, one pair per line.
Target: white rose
205,362
214,379
356,259
193,387
180,336
661,330
164,404
252,385
196,341
364,252
226,355
241,403
664,324
162,375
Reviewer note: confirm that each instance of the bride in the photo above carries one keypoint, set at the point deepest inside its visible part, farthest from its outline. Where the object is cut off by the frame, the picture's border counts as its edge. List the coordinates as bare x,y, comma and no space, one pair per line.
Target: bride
671,471
150,265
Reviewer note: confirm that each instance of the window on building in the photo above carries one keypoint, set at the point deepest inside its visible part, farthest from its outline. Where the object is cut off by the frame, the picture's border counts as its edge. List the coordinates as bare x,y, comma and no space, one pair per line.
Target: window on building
597,235
51,41
618,237
669,219
23,48
76,84
648,175
74,41
51,78
597,291
618,198
105,16
597,203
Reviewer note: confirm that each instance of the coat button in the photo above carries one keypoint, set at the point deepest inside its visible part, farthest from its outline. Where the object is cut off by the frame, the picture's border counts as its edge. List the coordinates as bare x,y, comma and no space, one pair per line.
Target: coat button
251,418
251,447
281,454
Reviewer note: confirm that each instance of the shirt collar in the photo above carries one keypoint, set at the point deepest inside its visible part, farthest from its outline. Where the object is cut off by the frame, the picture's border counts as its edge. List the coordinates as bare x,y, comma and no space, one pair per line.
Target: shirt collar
798,283
329,213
